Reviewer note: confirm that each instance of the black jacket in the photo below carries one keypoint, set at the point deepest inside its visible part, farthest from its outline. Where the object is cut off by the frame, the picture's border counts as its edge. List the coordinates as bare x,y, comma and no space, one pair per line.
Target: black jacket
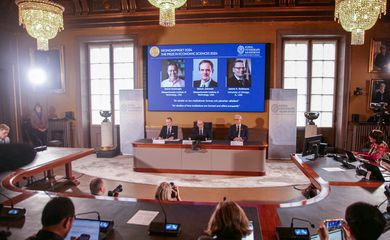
173,133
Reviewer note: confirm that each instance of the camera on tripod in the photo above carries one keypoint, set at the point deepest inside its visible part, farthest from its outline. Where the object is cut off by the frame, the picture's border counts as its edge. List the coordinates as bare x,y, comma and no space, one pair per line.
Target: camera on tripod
381,116
116,191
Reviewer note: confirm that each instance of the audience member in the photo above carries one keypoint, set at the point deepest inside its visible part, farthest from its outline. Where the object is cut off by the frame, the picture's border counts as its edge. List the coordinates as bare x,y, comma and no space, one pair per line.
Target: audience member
238,131
228,222
199,132
167,192
39,124
168,131
378,146
4,131
96,186
363,222
57,219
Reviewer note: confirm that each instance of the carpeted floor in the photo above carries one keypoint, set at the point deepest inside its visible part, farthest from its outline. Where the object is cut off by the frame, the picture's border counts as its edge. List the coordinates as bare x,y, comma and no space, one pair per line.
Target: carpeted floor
120,168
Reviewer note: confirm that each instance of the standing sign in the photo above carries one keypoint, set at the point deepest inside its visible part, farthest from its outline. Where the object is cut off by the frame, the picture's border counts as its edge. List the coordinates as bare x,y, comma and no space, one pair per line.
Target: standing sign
132,118
282,123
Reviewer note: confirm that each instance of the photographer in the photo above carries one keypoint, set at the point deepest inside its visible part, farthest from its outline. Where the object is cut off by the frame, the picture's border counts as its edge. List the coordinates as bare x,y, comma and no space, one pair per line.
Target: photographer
96,186
167,192
362,222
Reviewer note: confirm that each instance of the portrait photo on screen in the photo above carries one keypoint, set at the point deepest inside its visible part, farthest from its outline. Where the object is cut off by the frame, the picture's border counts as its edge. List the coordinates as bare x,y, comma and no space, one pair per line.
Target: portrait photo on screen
173,73
239,72
205,72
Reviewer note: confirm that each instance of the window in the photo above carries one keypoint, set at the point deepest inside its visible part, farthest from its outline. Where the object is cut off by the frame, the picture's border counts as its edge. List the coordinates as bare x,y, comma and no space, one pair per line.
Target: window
111,69
310,67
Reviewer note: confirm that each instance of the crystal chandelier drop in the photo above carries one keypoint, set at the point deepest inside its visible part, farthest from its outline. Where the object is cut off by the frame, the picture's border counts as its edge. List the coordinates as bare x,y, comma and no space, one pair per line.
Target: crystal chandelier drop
42,20
167,10
356,16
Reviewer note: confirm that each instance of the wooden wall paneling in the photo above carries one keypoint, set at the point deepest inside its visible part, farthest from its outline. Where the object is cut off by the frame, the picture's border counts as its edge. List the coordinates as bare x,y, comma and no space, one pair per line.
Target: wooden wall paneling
204,4
314,2
259,3
98,6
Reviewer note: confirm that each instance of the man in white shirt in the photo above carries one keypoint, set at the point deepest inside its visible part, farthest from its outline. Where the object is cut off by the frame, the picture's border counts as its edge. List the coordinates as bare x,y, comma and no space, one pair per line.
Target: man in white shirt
173,79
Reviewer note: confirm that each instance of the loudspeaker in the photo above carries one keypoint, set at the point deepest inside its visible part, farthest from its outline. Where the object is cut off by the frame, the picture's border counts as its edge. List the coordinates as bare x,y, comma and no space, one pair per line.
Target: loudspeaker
355,118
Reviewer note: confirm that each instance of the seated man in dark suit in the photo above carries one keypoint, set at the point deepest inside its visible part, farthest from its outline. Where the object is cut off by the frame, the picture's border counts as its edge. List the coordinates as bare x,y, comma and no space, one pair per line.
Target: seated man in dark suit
238,131
206,69
238,79
200,132
168,131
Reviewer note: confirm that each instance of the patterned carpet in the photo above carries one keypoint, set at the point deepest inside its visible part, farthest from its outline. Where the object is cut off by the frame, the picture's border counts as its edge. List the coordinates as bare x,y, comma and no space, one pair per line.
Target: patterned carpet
278,173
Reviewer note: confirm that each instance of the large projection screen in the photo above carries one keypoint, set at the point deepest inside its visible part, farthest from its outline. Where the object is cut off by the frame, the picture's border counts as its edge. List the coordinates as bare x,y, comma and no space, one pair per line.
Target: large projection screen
207,77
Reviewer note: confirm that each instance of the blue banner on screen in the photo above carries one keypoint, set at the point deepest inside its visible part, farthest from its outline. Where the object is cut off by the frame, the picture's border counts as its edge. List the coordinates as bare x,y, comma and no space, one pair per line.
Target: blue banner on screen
207,77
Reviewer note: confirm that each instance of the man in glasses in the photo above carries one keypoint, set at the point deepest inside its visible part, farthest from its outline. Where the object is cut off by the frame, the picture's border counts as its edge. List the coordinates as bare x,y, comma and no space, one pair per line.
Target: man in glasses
239,75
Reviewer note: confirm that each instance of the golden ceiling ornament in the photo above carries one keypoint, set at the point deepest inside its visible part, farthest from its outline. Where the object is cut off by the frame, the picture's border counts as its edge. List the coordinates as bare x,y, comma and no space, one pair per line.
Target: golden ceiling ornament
167,10
356,16
42,19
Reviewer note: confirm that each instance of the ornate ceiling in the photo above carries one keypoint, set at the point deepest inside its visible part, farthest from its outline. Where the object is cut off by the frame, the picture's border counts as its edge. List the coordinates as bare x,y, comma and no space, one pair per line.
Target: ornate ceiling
95,13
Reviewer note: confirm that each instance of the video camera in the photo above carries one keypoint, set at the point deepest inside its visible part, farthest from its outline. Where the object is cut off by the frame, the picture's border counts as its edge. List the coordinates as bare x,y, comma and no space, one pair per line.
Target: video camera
116,191
381,115
174,188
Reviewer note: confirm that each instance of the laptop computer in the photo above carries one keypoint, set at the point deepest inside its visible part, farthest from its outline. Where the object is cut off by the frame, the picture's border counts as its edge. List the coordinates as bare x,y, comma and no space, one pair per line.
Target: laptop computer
351,156
86,229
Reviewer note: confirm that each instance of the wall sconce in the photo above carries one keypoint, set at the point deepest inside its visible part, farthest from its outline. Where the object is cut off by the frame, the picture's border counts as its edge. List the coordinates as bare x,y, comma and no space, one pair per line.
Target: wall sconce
358,91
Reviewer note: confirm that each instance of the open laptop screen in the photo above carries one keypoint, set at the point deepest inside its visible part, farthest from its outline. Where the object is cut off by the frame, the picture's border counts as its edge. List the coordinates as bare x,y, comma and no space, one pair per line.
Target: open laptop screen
86,229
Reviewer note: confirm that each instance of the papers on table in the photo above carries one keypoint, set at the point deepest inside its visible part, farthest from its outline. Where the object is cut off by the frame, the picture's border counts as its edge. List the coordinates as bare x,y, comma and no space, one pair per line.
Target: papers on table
333,169
236,143
158,141
187,142
143,217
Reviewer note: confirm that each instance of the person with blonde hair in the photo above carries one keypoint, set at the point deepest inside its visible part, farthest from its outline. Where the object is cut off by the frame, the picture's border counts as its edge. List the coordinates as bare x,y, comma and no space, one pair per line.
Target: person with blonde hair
4,131
228,222
167,192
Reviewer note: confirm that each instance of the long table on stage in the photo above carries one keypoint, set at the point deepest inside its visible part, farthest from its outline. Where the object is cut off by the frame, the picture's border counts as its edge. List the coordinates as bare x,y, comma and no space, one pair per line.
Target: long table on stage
217,157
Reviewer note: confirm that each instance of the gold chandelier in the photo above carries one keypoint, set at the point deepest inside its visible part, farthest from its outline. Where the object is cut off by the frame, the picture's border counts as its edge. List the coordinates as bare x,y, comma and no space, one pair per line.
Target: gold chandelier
167,10
42,20
356,16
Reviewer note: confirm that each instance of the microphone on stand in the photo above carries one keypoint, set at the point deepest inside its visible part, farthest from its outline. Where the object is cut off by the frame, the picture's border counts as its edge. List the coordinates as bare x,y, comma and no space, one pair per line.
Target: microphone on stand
86,213
165,228
105,226
11,213
303,220
296,233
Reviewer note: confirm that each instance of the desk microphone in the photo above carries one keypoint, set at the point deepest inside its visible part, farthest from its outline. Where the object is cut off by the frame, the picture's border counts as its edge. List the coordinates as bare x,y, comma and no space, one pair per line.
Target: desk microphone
11,213
296,233
86,213
105,226
165,228
303,220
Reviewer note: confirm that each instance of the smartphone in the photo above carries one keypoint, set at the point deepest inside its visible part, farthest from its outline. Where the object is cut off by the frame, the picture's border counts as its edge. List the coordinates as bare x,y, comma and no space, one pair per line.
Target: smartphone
301,232
332,224
13,212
